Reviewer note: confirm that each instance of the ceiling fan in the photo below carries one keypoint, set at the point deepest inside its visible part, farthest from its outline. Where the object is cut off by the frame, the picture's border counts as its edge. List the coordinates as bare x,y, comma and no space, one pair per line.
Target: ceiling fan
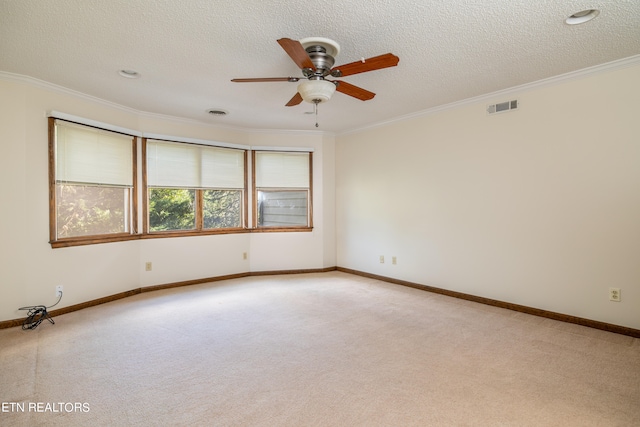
315,56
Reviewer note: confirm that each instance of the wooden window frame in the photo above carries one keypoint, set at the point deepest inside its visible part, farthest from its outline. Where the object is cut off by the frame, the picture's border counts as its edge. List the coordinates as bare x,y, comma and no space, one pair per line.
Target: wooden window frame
92,239
199,229
255,189
139,192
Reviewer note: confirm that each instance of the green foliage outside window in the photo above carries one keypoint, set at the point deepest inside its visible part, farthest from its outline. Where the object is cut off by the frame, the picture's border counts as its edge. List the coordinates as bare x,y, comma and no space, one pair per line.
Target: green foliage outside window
222,208
171,209
85,210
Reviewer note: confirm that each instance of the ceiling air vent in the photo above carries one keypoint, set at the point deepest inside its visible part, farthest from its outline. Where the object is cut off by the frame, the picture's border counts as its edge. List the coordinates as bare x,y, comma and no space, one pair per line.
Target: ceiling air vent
217,112
503,107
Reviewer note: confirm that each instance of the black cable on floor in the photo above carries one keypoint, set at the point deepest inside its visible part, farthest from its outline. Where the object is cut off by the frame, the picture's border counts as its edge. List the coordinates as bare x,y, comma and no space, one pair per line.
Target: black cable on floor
36,314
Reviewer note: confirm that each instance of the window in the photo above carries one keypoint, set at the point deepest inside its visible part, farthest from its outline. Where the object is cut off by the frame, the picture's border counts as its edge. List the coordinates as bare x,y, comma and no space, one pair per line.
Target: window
282,190
92,184
192,187
189,188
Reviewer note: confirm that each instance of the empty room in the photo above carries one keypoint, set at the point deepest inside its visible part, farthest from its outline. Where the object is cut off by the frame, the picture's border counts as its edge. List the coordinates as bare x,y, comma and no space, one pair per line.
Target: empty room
338,213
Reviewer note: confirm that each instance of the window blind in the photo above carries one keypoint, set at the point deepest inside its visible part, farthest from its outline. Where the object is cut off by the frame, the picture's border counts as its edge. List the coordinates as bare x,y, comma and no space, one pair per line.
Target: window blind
173,164
88,155
282,170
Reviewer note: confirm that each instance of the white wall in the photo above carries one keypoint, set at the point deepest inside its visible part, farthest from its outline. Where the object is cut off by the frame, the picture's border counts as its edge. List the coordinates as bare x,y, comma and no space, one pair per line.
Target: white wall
539,207
30,269
13,196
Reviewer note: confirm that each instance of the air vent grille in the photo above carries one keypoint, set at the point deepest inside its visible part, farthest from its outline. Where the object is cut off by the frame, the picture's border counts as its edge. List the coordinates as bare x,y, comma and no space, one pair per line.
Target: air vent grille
503,107
216,112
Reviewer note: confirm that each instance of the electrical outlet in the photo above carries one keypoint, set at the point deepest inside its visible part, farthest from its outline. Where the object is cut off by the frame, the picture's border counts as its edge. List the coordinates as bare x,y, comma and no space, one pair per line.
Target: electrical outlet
244,255
148,266
614,294
381,259
59,291
394,260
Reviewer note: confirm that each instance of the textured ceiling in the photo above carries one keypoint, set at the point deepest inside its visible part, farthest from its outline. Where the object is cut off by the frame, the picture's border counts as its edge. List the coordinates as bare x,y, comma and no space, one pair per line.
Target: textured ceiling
188,51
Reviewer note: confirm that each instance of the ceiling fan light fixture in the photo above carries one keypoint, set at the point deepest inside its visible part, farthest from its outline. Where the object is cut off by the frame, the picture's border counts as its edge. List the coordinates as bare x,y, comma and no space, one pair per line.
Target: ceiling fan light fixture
316,91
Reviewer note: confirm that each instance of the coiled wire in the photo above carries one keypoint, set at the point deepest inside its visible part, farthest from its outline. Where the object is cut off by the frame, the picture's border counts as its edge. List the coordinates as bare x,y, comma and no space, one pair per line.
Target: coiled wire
36,314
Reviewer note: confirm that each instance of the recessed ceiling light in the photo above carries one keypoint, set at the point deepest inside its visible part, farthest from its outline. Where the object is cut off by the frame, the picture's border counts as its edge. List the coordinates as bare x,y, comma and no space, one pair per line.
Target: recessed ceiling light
217,112
130,74
582,17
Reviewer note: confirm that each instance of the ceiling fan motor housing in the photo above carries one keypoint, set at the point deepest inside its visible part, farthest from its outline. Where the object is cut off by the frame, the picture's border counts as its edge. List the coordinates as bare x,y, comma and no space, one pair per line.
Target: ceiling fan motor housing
321,60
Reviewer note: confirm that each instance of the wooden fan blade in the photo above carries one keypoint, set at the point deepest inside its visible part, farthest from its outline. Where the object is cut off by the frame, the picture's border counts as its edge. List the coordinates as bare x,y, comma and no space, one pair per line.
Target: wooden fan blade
267,79
355,91
296,51
297,99
371,64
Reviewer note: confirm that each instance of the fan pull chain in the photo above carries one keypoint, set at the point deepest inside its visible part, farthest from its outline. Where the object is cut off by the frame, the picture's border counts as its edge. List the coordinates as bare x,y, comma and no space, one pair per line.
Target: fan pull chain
315,109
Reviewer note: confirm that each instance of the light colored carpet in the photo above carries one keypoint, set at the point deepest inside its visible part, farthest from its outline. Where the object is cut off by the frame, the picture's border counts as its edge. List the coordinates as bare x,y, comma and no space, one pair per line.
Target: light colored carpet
327,349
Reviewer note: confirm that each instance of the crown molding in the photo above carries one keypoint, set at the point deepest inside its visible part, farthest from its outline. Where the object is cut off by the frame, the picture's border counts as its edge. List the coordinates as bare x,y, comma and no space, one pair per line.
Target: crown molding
32,81
489,97
486,98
